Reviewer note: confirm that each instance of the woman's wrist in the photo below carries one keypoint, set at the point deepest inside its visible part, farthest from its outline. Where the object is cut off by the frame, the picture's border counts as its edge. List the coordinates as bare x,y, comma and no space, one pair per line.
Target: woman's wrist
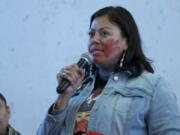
62,101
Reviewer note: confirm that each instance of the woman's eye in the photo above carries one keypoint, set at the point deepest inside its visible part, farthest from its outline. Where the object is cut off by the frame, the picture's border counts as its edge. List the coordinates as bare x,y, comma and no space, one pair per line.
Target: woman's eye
91,34
104,33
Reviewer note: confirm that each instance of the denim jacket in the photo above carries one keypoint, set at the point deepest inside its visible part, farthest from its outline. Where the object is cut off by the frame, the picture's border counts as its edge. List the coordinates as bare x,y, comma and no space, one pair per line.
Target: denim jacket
140,106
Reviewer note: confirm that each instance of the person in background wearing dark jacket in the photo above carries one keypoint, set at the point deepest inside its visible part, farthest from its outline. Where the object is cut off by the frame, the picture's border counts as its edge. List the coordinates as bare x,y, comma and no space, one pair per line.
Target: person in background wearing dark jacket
5,128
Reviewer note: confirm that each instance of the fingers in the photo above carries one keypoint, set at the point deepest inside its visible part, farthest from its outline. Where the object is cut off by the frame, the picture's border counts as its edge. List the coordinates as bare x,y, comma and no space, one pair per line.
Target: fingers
72,73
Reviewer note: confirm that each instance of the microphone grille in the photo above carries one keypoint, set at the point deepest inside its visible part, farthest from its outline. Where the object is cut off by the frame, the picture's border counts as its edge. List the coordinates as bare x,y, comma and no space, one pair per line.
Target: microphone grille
88,57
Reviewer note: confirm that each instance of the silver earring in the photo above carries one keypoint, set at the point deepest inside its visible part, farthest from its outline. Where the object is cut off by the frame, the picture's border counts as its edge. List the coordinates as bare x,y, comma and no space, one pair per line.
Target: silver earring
122,60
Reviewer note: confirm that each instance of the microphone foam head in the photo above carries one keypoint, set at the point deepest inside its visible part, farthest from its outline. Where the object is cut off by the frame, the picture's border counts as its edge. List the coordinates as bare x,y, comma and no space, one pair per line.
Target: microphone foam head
88,57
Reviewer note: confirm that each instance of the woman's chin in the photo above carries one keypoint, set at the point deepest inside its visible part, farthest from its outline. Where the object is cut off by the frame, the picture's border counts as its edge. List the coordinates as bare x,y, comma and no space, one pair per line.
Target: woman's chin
100,63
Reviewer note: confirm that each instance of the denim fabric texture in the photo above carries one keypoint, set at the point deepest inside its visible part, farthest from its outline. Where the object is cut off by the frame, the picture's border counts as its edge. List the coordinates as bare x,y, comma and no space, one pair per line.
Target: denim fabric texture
144,105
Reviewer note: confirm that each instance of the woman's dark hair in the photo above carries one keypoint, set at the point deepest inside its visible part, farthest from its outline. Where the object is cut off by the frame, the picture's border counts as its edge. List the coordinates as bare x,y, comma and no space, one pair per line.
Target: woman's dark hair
135,61
3,99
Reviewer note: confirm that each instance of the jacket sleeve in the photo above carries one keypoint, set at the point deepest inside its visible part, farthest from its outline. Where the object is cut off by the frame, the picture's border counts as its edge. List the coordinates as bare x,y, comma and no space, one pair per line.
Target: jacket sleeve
52,123
164,116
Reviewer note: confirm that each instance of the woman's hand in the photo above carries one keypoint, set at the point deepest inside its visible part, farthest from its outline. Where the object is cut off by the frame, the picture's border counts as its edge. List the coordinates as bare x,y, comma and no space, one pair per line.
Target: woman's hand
75,76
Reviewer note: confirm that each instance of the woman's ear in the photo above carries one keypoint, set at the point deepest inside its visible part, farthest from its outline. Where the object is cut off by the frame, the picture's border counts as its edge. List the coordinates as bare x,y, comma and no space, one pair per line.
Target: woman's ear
125,44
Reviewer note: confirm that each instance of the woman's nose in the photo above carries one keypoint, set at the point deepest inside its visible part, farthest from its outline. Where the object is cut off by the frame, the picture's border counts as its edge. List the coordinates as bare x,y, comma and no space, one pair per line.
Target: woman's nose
96,38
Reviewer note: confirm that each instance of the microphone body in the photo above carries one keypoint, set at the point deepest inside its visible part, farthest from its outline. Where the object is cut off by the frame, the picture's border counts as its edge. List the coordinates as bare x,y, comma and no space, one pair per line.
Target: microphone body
86,60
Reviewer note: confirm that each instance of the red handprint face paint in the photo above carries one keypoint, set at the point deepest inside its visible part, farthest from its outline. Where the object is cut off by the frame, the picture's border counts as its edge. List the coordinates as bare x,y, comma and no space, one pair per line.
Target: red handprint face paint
106,42
111,47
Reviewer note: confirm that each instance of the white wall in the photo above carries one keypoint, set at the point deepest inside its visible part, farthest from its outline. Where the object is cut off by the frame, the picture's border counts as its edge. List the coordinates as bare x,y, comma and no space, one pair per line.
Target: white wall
38,37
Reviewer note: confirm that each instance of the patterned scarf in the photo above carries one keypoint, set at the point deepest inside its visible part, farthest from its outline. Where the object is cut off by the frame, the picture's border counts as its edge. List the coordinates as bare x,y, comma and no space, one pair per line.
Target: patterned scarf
11,131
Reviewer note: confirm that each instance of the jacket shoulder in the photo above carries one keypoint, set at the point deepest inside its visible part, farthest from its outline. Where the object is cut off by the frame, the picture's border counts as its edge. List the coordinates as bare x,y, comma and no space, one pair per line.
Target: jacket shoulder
146,82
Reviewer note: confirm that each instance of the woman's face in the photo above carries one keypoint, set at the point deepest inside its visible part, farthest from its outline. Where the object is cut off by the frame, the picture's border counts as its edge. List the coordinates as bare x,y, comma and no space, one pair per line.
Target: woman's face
106,42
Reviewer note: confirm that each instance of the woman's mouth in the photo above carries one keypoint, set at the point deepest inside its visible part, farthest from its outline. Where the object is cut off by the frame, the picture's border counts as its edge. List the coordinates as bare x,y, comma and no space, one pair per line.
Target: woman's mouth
96,52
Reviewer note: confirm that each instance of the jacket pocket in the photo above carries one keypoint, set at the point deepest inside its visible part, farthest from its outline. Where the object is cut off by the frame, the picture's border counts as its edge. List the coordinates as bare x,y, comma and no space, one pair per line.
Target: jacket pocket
128,102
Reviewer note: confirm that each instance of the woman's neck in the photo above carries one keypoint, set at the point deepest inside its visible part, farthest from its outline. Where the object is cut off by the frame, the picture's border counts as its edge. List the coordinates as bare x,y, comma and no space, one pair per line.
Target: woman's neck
105,72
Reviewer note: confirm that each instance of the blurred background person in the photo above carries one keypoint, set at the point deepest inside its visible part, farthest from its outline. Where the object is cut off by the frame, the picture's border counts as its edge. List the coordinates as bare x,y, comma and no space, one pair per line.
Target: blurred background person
5,128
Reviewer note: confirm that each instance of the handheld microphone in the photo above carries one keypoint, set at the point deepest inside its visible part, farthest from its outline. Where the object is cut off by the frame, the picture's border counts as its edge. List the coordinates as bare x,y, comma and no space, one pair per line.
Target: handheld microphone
85,60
